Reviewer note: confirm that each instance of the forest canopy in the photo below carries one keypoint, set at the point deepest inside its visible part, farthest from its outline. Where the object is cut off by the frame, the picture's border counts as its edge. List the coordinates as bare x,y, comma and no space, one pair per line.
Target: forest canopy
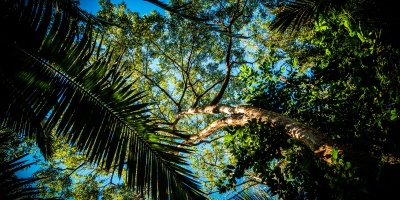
215,99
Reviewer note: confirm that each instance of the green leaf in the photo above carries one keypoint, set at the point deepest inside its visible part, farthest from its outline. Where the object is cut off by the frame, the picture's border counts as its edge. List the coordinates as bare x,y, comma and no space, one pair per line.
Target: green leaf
228,138
360,36
335,153
348,166
394,114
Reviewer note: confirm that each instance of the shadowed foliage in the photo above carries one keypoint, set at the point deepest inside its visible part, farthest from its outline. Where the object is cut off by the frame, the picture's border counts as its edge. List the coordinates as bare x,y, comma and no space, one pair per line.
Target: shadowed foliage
58,76
11,186
297,13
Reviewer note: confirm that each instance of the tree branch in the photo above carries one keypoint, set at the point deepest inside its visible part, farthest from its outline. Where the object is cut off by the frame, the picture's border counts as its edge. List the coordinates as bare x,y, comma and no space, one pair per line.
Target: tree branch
213,127
195,104
228,66
207,141
211,164
159,87
316,141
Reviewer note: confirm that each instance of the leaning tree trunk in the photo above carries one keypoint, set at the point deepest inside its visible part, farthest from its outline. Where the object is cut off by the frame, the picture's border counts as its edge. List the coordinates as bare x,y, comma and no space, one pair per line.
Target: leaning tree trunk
316,141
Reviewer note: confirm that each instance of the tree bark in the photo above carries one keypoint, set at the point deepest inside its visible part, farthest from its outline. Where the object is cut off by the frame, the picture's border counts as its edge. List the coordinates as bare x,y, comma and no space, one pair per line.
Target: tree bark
316,141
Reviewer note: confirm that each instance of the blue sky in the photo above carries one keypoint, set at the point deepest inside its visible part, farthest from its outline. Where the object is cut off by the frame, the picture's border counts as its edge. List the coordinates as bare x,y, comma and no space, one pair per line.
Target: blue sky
92,6
141,6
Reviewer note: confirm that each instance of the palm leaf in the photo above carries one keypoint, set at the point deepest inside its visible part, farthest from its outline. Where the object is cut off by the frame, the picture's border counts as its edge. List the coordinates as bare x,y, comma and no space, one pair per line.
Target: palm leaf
12,187
251,194
177,10
296,13
48,84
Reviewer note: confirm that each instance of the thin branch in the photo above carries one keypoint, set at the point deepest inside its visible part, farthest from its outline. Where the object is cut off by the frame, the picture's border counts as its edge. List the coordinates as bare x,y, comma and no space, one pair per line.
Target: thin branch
185,87
73,171
197,98
177,65
248,181
164,117
214,165
196,103
242,62
207,141
250,186
159,87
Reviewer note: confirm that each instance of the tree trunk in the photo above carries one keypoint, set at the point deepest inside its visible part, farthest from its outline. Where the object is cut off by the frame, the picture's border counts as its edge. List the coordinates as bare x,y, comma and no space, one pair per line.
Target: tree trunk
317,142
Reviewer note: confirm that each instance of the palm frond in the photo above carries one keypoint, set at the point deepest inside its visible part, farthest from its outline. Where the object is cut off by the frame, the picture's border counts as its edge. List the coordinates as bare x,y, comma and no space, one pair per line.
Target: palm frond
251,194
12,187
48,84
177,10
296,13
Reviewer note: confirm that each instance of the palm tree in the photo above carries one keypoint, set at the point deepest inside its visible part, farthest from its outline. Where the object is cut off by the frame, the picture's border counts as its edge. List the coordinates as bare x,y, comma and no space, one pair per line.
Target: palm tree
47,83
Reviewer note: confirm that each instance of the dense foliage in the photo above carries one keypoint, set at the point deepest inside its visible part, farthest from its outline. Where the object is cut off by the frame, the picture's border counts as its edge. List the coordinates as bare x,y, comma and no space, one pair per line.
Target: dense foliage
342,79
60,78
331,65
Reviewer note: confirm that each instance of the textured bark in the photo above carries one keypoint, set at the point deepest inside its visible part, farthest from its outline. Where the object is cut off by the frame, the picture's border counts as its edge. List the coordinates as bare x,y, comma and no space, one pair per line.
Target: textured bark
316,141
